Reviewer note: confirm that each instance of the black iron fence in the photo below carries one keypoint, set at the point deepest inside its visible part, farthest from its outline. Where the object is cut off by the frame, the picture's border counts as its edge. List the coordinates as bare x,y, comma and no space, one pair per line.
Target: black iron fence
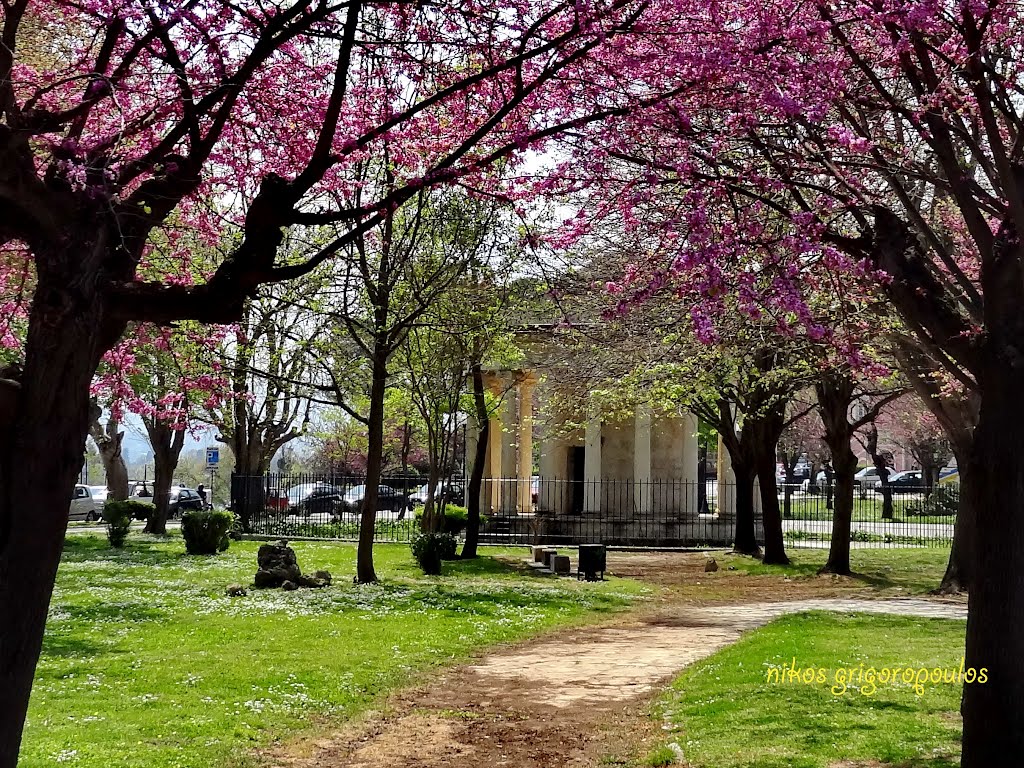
613,512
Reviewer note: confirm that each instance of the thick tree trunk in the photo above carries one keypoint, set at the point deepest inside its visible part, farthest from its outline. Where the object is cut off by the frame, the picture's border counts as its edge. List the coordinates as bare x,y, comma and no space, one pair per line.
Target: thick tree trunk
993,712
167,444
774,541
40,457
745,542
365,573
835,393
765,434
476,477
108,441
957,578
845,465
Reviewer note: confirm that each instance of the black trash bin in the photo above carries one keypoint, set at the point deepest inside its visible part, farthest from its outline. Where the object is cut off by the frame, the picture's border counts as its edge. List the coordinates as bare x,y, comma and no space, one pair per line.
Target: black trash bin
592,561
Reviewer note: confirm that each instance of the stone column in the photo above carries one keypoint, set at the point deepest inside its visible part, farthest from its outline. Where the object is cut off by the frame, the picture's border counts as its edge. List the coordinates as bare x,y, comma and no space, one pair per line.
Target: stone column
691,455
492,473
726,483
508,468
592,464
642,490
525,469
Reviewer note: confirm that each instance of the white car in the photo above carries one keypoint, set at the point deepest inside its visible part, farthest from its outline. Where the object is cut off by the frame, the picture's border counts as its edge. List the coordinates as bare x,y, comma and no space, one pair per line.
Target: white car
87,502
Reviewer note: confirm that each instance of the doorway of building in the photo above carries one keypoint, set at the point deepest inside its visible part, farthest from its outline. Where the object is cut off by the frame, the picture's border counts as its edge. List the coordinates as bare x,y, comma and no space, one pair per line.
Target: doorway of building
575,475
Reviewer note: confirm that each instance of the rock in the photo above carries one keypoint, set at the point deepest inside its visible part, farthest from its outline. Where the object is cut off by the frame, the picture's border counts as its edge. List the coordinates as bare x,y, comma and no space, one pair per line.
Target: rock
289,586
236,590
711,565
306,580
277,564
324,576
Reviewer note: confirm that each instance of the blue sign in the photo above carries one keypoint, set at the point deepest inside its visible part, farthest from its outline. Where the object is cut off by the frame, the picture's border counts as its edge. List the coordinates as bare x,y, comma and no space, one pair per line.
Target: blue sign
212,458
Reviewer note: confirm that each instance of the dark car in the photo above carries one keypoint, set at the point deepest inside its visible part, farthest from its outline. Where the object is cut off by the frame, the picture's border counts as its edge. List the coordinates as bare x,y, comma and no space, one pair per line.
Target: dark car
183,500
453,492
314,499
387,499
904,482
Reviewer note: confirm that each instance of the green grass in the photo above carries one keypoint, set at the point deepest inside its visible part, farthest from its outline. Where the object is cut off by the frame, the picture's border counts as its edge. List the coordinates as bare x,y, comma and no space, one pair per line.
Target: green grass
866,509
146,662
725,714
910,570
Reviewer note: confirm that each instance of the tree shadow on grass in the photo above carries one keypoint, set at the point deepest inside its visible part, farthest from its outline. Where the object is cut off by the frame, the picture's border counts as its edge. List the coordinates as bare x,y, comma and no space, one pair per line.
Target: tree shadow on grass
64,646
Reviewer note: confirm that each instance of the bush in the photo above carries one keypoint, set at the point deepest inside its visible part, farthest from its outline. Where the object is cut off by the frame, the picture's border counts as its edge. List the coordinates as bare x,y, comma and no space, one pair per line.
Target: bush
456,519
138,510
943,500
430,549
206,532
118,517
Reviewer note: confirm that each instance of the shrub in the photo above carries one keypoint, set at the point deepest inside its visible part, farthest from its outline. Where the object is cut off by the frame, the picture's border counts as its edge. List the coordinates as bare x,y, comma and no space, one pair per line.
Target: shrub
430,549
943,500
206,532
138,510
456,519
118,517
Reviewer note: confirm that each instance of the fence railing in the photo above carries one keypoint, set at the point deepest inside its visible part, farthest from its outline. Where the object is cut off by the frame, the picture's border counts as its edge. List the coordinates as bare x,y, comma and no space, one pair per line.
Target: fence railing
613,512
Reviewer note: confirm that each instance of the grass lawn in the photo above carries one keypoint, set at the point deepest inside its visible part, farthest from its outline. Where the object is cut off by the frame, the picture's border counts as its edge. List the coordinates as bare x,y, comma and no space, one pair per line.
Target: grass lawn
147,663
724,713
911,570
866,508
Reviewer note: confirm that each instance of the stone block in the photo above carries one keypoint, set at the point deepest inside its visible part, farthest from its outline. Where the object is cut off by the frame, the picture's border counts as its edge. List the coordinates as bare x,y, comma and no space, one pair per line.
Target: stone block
560,565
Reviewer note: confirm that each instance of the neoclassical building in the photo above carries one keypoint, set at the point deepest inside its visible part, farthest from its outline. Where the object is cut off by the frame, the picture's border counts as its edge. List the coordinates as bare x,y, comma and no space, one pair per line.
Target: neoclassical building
636,473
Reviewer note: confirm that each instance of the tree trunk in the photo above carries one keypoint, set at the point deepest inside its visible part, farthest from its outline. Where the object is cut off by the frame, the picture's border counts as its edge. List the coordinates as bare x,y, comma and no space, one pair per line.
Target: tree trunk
844,462
765,433
835,393
476,477
40,457
957,578
108,442
829,486
883,481
774,541
993,712
745,541
433,515
365,573
167,444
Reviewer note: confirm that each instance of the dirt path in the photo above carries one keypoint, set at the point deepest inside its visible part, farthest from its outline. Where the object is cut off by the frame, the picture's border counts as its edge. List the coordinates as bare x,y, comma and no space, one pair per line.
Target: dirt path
572,700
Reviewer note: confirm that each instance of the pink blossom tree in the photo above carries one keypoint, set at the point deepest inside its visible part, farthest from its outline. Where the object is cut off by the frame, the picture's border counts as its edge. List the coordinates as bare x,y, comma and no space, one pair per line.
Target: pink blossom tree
888,135
234,121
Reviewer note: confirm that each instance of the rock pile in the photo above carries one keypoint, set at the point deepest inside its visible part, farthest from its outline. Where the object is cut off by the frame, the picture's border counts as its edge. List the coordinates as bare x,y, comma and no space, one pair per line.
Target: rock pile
278,567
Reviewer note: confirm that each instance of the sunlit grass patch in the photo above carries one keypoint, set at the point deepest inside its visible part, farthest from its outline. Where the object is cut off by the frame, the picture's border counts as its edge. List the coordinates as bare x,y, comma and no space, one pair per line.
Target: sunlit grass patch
730,711
148,663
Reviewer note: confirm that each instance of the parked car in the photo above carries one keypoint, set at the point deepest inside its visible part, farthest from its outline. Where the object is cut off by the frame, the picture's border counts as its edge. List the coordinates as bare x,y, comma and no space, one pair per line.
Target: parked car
141,489
387,499
904,482
868,477
182,500
314,498
277,498
87,503
805,484
453,491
